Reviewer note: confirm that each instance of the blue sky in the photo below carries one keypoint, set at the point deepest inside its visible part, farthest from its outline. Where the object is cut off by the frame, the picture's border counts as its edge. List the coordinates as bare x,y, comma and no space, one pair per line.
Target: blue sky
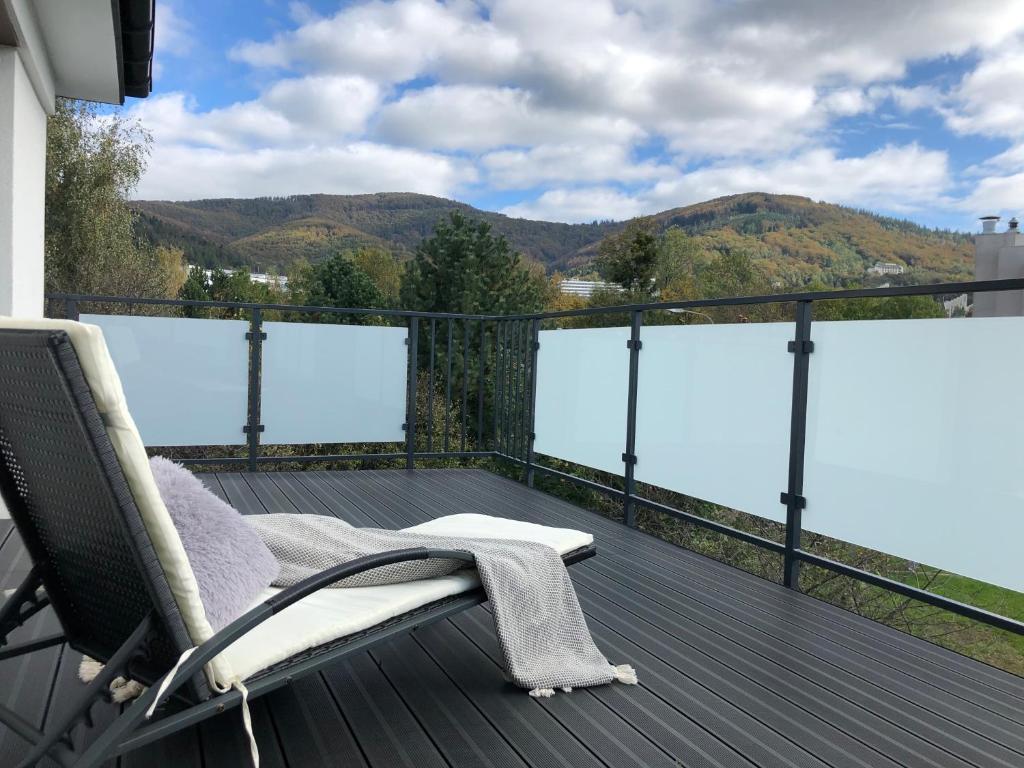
591,109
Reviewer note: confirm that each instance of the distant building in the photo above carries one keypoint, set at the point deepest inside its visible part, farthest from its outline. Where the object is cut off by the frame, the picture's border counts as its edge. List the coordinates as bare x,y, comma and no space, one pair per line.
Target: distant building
886,268
586,288
998,256
278,281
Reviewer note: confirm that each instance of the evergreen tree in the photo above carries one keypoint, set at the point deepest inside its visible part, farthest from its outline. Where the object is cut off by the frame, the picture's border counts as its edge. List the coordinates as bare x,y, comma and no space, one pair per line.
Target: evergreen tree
464,268
630,257
336,282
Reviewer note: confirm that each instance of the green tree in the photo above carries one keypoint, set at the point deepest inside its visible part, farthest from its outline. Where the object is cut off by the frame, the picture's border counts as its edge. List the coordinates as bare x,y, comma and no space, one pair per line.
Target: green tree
92,166
336,282
384,270
465,268
679,259
630,257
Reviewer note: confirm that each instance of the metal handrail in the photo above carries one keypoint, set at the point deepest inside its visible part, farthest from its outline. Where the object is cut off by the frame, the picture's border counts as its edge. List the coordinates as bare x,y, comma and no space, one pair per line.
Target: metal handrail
973,286
514,366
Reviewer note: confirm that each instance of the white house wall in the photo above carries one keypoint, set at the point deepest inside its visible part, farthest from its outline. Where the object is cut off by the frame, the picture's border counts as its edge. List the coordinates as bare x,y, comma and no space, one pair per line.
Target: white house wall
22,189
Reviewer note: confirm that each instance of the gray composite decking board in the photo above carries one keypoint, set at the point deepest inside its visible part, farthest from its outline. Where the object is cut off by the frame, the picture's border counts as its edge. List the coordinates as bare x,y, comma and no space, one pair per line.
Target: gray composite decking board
401,502
406,497
735,671
835,675
745,588
918,752
684,562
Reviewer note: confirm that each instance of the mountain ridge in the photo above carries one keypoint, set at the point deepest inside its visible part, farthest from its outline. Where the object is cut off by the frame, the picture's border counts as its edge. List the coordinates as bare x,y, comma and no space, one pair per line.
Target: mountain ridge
797,239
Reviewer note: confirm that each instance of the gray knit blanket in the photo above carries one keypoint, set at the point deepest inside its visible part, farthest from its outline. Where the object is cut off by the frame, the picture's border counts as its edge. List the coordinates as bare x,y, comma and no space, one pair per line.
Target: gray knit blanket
541,629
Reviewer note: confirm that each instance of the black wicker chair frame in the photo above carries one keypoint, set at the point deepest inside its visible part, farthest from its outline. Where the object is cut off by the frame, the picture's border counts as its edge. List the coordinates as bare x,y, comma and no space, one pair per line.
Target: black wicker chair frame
94,564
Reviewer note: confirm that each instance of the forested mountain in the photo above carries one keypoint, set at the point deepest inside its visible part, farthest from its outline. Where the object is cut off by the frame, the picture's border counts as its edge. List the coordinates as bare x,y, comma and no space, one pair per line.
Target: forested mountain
273,232
795,239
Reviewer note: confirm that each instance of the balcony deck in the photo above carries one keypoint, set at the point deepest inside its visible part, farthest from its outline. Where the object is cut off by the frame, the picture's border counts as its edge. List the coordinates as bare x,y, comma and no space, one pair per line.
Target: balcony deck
735,671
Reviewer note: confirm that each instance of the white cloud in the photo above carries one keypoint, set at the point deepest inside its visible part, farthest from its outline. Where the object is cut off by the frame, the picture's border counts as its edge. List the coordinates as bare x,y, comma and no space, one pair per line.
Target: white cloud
334,105
477,118
560,163
902,179
998,195
578,205
178,172
894,178
987,101
572,98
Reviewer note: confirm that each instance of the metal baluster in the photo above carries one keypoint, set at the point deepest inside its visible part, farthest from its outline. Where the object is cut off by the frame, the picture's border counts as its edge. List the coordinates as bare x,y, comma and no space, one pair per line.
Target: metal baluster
531,434
410,424
448,387
792,497
255,337
629,456
499,373
430,391
465,382
481,367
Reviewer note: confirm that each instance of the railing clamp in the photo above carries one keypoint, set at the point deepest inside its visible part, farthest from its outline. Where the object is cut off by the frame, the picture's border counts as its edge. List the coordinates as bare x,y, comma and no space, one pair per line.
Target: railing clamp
249,336
248,428
406,341
629,458
806,346
405,427
796,500
634,344
535,346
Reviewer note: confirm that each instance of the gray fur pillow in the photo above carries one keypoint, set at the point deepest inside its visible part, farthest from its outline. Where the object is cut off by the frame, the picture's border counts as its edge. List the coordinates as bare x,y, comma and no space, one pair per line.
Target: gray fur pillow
231,563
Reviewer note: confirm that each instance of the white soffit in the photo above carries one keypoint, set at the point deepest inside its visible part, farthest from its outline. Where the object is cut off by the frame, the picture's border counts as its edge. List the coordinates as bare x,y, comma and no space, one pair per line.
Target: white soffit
82,47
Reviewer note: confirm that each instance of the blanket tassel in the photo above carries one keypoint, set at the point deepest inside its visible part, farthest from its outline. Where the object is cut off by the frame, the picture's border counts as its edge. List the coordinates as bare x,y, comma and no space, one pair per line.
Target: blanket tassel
624,673
121,690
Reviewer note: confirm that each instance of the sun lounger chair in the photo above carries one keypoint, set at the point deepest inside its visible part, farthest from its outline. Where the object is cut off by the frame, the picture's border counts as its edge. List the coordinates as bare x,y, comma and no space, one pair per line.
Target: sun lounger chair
107,559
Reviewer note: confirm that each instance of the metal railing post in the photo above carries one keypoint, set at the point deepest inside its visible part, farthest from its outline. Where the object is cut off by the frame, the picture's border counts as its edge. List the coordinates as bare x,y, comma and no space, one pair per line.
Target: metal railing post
255,337
532,430
70,309
792,497
629,456
410,415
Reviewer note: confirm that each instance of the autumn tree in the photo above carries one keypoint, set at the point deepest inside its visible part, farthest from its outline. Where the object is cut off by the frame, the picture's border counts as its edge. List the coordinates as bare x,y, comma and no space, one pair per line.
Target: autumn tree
93,164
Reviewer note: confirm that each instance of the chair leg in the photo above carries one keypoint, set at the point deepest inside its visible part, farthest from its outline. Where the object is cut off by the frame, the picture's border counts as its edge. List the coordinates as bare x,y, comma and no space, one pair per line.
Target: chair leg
21,606
98,689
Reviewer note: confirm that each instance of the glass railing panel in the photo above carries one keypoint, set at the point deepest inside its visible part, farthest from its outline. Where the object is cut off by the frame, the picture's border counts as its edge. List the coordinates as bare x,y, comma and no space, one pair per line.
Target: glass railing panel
914,441
713,413
333,383
185,379
582,389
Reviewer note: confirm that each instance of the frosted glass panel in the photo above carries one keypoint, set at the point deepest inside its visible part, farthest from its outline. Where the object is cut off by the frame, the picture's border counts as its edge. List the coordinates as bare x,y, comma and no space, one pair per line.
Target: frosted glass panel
582,385
333,383
186,380
914,441
713,412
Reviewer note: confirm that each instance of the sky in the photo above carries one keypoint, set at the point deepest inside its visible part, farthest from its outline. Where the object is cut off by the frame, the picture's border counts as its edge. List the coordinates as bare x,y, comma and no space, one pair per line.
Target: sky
582,110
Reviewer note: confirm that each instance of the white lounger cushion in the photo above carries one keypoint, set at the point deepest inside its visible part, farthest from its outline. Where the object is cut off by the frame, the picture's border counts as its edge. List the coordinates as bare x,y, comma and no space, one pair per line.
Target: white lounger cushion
332,613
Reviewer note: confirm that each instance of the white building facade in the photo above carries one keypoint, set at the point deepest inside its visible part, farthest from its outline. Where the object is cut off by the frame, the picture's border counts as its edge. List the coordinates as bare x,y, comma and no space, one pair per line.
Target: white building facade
998,256
83,49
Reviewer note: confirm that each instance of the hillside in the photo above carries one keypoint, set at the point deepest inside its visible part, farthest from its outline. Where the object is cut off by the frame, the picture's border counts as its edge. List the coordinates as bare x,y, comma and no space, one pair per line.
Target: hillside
796,239
273,232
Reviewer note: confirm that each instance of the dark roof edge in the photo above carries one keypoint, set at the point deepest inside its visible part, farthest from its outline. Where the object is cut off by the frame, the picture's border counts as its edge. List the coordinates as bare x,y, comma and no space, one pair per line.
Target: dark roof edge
134,26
